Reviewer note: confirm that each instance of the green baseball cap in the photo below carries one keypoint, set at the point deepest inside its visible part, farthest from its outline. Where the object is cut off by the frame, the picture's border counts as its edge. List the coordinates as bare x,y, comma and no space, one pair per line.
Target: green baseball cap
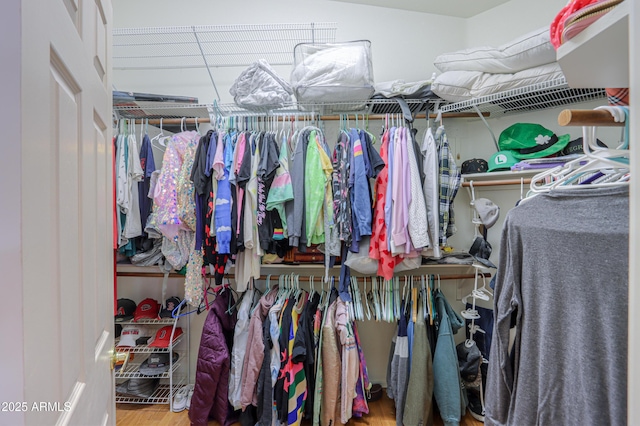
502,160
529,140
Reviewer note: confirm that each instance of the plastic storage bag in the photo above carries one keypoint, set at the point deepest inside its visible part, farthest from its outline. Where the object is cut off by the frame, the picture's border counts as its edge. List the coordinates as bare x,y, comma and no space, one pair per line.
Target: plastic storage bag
259,87
334,72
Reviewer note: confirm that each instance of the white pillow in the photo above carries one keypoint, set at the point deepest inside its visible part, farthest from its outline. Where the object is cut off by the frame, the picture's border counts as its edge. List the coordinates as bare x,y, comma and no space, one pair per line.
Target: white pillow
456,86
528,51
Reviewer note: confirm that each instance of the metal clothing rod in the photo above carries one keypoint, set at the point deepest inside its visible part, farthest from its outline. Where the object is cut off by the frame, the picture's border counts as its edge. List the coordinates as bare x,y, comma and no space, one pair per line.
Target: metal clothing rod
303,278
587,117
498,182
421,115
284,116
176,121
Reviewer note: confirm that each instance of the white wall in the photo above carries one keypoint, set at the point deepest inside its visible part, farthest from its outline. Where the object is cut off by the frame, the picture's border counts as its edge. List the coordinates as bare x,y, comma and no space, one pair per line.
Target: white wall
403,43
510,20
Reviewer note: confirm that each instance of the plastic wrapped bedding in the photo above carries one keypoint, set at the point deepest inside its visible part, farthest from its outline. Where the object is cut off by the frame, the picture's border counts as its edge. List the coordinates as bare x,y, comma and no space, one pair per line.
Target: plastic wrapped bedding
530,50
259,86
456,86
333,72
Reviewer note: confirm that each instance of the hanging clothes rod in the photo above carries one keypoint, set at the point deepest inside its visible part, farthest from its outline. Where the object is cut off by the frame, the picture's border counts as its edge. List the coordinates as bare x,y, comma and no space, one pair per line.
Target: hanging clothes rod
302,278
417,116
498,182
282,117
587,117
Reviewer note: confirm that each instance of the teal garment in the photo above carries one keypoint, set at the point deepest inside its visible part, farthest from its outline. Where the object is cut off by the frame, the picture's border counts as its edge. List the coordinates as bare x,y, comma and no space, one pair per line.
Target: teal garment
128,249
418,409
281,189
446,373
315,183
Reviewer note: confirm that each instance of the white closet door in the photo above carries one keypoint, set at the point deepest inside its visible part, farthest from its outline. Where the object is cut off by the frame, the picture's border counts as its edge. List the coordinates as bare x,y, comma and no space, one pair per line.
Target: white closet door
633,409
66,212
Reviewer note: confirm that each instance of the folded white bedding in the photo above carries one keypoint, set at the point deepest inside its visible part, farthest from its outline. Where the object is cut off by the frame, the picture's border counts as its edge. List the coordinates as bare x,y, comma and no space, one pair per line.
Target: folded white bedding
528,51
455,86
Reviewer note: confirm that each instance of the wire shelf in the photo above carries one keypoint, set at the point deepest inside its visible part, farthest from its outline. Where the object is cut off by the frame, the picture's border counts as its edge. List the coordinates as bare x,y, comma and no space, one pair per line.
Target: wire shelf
203,46
163,321
151,109
370,106
550,94
146,349
154,110
131,371
162,395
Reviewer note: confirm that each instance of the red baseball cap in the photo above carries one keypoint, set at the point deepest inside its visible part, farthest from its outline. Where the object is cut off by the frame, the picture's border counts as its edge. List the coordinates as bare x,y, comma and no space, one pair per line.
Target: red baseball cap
163,336
147,309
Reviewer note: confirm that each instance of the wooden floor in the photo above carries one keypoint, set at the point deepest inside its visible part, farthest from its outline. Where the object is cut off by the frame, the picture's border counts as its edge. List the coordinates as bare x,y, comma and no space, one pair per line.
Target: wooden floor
381,413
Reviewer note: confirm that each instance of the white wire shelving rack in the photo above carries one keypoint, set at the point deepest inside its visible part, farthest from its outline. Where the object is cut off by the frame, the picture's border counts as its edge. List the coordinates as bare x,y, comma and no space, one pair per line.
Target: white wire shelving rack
213,46
131,371
146,349
172,380
163,394
155,110
549,94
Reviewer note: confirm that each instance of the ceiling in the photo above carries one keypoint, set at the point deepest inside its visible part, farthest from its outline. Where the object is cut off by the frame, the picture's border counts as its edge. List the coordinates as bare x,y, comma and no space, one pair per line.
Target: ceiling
458,8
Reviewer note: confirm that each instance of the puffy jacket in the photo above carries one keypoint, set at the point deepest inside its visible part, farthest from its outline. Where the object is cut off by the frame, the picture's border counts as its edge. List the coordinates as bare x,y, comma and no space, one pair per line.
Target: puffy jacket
255,354
211,391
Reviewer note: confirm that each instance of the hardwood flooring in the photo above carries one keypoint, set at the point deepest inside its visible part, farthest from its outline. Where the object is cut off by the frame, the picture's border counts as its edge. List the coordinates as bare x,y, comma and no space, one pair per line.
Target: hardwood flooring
381,413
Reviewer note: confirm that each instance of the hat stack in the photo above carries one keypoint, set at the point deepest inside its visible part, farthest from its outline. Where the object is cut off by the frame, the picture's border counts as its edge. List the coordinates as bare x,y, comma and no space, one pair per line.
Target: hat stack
524,141
486,214
147,309
158,363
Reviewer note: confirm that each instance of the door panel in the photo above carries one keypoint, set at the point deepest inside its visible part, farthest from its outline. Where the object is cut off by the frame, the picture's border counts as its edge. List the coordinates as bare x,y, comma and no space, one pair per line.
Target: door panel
72,10
66,211
100,46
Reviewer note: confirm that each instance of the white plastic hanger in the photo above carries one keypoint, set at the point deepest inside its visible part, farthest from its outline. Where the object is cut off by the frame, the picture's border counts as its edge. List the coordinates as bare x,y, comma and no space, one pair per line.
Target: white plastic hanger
483,292
366,299
595,159
376,298
471,313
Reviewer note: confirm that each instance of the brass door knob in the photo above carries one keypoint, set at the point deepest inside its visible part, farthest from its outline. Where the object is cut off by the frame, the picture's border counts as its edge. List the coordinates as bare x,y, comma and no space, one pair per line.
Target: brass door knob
119,357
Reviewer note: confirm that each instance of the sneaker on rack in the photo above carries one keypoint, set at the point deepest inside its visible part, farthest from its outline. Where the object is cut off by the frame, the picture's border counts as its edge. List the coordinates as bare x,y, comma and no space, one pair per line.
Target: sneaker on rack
180,399
476,409
189,396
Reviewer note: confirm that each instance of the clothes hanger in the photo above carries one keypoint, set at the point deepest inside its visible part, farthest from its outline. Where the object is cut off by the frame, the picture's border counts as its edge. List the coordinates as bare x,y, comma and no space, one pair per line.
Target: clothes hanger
424,297
358,302
483,292
471,313
373,297
159,140
361,314
352,306
351,309
268,285
386,301
367,313
567,175
395,299
382,296
389,301
323,295
595,159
